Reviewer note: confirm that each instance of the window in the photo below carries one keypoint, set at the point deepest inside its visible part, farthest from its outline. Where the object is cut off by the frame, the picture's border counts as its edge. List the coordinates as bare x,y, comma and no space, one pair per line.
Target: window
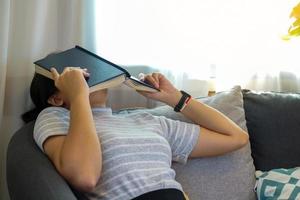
239,37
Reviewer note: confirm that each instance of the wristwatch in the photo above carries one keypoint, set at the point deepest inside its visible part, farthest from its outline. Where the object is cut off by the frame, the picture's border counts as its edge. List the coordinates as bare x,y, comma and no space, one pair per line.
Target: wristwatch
182,102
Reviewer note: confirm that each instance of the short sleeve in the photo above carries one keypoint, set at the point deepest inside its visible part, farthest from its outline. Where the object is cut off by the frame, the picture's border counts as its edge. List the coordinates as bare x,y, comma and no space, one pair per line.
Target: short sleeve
182,137
50,122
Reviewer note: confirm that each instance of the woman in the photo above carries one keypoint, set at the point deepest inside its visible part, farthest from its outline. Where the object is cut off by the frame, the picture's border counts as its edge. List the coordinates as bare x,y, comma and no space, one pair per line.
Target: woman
124,156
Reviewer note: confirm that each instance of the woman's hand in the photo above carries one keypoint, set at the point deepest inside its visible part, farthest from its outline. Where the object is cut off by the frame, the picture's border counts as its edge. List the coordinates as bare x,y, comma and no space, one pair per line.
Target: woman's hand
168,93
71,83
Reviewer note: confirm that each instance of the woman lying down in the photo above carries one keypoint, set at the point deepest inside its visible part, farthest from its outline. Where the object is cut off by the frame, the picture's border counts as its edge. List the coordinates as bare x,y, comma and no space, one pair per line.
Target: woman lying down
123,157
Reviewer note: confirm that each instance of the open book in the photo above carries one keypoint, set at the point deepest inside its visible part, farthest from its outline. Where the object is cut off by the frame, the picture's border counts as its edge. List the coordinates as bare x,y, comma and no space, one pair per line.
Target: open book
103,73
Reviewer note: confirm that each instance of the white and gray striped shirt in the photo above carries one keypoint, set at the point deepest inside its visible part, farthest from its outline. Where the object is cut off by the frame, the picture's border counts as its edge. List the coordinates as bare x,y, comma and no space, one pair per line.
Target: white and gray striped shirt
137,149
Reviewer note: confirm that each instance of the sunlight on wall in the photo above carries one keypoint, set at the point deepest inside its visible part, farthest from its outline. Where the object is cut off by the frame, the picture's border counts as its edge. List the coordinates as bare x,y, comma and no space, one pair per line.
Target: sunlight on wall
240,37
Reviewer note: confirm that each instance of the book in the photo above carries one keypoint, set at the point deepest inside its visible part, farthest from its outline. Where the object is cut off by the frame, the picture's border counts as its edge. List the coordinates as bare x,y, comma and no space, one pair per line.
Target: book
103,73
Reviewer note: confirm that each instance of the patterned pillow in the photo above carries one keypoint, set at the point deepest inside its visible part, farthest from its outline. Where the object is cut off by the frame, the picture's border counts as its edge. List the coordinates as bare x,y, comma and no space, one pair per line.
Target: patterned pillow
278,184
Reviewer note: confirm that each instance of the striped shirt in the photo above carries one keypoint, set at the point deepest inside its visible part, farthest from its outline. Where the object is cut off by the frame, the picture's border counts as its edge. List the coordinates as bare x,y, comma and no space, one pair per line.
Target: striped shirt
137,149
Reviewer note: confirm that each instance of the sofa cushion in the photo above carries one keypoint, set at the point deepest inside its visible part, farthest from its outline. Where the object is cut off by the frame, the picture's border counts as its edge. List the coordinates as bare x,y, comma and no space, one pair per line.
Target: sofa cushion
278,184
230,176
30,174
273,121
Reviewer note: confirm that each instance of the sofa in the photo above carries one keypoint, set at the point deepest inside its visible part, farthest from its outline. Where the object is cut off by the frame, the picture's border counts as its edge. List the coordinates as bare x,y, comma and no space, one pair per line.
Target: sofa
271,119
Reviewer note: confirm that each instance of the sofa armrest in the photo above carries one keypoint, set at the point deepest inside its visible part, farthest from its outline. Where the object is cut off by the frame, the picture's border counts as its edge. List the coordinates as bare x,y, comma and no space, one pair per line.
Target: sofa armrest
30,175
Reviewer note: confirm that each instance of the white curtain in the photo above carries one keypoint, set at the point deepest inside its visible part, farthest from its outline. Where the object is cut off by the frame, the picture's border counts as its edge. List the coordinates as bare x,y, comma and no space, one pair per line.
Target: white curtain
30,30
239,39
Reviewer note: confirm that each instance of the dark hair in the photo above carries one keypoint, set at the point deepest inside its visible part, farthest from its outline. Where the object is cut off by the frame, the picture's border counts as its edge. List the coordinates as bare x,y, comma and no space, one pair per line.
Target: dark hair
41,89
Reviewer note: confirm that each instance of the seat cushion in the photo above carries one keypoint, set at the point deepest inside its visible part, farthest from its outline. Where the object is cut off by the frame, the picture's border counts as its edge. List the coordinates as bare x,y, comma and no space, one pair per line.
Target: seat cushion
30,174
273,121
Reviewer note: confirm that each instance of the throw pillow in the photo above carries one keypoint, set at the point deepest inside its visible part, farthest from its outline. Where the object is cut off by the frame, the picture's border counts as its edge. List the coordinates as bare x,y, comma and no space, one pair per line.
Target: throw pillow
230,176
278,184
273,123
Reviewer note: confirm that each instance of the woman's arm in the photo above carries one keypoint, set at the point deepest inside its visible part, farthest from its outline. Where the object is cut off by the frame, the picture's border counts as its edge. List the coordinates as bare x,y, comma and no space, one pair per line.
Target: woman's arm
218,135
77,156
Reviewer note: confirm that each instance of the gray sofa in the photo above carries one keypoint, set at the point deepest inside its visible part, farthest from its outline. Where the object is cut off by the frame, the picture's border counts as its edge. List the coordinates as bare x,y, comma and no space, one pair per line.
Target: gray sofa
30,175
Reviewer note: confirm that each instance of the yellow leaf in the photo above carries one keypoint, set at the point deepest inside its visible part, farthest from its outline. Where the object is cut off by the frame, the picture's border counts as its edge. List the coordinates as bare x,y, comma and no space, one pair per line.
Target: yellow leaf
297,22
296,12
294,29
295,32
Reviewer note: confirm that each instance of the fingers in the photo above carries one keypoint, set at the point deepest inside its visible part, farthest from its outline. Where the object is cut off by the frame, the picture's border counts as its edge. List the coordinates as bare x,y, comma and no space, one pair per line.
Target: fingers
85,74
156,77
153,79
149,79
66,69
141,76
84,71
55,74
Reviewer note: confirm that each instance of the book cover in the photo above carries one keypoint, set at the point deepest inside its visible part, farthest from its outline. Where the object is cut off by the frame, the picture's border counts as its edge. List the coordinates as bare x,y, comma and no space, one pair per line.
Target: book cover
103,73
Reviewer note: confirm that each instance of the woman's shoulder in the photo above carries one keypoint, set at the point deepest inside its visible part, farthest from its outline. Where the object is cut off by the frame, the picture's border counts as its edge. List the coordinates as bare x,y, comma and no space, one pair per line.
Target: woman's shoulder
53,111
